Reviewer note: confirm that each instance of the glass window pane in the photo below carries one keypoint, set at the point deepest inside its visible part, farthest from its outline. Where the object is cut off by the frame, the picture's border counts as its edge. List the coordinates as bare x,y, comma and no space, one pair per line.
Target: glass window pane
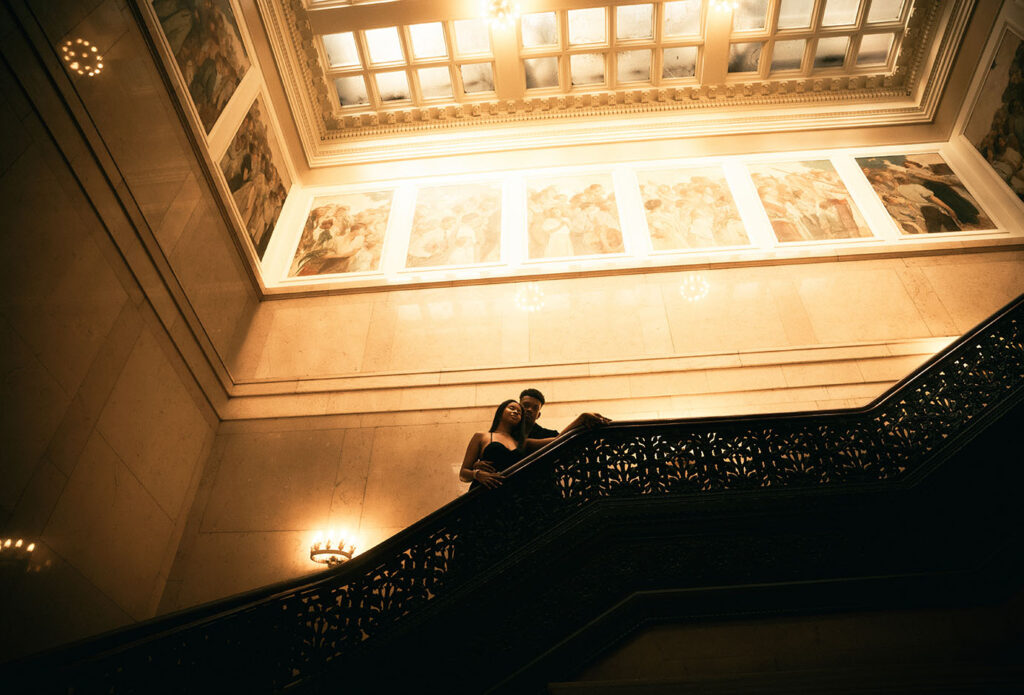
587,68
539,29
541,72
341,50
795,14
634,22
383,44
477,77
682,18
471,36
679,62
744,57
634,66
393,86
874,48
435,83
428,40
750,15
840,12
831,52
586,26
351,90
787,55
885,10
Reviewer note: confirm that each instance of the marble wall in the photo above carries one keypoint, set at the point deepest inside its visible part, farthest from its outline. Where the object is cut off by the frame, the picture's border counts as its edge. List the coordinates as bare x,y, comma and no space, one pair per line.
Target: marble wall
413,374
105,427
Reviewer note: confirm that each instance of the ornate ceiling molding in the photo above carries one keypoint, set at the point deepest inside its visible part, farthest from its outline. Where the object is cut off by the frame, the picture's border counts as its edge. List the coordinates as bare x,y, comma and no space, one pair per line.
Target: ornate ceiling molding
907,95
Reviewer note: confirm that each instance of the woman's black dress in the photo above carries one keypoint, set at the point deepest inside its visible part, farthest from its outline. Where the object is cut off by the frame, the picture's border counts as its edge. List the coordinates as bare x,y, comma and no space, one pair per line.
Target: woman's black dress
500,456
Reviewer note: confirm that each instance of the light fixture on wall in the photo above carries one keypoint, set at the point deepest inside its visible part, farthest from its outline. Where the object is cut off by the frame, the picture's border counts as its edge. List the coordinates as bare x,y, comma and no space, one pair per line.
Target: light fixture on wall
530,297
501,13
82,57
331,548
16,552
694,288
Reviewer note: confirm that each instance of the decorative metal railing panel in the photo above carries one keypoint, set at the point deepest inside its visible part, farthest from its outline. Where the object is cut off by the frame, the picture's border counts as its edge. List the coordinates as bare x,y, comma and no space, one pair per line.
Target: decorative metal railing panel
282,638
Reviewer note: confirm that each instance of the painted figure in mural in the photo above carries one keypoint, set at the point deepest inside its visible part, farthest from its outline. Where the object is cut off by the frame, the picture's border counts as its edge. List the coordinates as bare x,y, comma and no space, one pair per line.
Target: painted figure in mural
253,179
807,201
204,39
343,234
688,209
996,126
560,225
455,225
922,194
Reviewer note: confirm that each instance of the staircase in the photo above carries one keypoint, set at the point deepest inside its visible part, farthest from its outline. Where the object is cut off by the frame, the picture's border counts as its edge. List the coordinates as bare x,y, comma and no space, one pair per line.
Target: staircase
911,501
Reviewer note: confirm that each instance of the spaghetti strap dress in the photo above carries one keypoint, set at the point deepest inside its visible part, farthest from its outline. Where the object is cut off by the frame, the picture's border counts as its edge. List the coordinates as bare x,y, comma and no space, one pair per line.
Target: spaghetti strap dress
500,456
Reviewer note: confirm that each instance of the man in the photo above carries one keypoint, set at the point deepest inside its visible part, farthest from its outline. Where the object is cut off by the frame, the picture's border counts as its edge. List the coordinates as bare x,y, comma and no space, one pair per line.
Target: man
532,401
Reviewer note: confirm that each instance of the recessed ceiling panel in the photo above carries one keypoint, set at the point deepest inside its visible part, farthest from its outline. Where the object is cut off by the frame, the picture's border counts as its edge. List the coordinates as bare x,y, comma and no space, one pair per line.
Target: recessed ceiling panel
750,15
788,55
428,40
874,48
539,29
587,26
634,66
831,52
682,18
472,36
795,14
541,73
634,22
840,12
384,45
477,78
679,62
341,50
587,68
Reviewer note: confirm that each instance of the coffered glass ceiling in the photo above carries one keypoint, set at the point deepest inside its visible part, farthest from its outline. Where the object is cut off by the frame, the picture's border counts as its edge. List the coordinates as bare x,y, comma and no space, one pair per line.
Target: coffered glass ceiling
575,49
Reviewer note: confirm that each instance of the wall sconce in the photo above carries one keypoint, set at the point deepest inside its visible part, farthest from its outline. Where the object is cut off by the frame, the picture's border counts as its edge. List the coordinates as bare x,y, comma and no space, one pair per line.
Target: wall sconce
331,548
16,551
502,13
82,57
694,288
530,297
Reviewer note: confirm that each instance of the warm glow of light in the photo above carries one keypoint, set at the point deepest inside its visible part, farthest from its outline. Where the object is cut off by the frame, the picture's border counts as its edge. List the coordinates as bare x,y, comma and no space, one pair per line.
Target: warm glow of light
332,547
82,57
530,297
694,288
501,13
725,5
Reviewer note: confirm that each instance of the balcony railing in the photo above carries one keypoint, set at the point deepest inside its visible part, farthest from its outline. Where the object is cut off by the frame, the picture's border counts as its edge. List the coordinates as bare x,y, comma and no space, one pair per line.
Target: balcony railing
283,634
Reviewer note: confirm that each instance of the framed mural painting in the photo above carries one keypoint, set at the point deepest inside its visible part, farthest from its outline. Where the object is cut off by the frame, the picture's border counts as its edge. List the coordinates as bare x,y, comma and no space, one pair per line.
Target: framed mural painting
204,39
690,209
572,216
343,233
996,124
254,178
923,195
807,201
456,225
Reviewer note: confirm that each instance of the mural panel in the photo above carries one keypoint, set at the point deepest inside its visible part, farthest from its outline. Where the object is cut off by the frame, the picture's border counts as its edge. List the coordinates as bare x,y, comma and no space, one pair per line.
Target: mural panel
455,225
922,194
807,201
343,234
690,209
254,179
572,216
204,39
996,125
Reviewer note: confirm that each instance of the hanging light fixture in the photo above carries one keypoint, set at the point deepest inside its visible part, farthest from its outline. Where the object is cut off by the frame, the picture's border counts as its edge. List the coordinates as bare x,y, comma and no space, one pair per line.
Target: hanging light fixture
694,288
501,13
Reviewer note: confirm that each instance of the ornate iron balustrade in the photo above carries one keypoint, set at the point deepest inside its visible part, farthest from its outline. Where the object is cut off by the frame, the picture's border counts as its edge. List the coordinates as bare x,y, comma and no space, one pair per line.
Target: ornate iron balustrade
286,633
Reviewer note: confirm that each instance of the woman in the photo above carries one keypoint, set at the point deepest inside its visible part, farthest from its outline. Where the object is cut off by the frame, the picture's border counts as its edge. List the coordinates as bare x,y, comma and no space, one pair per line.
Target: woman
491,452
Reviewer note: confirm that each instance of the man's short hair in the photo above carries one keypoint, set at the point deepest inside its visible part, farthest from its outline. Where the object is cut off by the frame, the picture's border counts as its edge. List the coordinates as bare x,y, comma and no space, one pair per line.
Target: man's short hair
532,393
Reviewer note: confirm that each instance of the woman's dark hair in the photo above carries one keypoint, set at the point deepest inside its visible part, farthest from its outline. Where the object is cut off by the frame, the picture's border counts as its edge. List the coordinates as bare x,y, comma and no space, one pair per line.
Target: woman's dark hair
517,433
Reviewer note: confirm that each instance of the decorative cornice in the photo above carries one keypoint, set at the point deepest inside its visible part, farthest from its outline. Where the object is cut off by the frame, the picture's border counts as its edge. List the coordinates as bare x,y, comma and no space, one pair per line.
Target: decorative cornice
332,137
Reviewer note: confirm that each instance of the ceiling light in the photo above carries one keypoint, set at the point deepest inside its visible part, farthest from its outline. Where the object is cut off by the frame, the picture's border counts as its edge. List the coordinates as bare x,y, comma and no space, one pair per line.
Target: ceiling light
530,297
331,548
502,13
694,288
82,57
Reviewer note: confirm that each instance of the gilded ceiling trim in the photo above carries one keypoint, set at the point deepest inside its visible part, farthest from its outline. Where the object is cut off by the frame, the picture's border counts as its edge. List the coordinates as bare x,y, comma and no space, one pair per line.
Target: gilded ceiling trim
330,137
